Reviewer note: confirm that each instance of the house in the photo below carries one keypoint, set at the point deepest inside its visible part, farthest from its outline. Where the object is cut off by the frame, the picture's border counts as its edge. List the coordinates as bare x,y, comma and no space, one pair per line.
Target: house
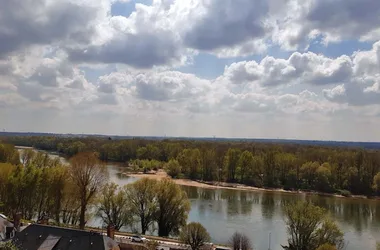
37,236
7,229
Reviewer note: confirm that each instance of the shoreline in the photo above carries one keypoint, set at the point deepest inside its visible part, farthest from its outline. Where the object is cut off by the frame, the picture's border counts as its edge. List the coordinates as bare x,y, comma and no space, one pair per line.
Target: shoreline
232,186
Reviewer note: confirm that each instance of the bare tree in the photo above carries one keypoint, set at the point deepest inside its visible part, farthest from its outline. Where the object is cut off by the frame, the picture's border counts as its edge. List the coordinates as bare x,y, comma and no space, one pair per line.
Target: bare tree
195,235
240,241
89,175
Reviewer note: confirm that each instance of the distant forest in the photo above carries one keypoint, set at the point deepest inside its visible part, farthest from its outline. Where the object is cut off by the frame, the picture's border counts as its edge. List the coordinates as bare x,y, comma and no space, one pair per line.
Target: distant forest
269,164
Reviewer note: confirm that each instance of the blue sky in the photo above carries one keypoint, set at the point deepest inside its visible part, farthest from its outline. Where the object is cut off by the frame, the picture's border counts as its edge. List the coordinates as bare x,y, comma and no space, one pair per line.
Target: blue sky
264,69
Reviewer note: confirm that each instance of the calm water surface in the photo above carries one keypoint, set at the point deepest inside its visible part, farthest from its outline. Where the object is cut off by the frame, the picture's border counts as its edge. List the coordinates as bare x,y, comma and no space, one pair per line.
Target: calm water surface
259,214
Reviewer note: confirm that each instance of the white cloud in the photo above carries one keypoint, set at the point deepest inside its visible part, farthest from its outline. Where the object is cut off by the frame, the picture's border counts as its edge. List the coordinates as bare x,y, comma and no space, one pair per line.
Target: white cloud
334,20
298,68
57,60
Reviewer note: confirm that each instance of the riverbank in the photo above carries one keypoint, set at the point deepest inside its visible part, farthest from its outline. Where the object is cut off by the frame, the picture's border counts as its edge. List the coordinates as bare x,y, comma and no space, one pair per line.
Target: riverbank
233,186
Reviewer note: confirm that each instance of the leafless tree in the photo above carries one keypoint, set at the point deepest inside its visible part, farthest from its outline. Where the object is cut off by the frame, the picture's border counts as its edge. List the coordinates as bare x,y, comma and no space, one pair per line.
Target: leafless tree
240,241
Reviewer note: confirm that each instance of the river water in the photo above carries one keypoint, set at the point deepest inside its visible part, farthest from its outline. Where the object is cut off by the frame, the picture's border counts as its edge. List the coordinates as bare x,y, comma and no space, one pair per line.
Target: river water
259,215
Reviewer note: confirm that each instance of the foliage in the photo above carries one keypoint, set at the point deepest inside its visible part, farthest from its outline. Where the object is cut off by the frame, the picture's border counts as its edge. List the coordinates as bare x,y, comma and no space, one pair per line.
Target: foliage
113,206
173,207
309,227
195,235
151,245
41,186
376,183
8,245
326,247
289,166
147,165
89,175
173,168
240,241
141,196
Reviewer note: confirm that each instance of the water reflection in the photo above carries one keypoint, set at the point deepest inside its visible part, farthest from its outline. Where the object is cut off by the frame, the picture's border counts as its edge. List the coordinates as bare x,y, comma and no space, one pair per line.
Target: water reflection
252,211
267,206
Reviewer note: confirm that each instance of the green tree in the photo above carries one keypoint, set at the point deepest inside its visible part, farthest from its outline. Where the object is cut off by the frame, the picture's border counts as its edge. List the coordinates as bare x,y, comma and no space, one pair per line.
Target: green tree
141,196
245,166
323,177
89,175
376,183
231,161
113,206
309,227
173,207
173,168
195,235
209,167
270,174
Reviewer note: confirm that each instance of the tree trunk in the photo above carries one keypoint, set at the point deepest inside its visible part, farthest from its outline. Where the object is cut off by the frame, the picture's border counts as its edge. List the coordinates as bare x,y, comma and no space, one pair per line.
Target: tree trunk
82,218
143,227
162,230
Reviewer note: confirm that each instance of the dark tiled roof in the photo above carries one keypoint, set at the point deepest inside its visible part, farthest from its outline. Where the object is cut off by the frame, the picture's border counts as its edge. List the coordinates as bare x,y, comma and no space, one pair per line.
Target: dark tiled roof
36,237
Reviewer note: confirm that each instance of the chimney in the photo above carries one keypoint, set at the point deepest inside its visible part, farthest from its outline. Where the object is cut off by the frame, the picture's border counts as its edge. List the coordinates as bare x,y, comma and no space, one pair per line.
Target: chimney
17,221
111,231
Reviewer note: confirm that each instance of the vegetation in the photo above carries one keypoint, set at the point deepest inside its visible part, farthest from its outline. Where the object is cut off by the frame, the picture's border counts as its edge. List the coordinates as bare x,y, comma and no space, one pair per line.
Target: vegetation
141,196
89,175
114,207
324,169
38,185
34,185
195,235
173,207
310,228
8,245
326,247
240,241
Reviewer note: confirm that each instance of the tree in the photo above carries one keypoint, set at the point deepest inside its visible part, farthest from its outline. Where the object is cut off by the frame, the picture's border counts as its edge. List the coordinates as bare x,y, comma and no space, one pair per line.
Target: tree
195,235
173,207
326,247
310,228
240,241
245,166
89,175
231,161
376,183
141,196
173,168
113,206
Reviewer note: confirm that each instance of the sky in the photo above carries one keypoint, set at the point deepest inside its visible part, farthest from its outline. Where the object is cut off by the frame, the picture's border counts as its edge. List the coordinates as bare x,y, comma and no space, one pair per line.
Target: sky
295,69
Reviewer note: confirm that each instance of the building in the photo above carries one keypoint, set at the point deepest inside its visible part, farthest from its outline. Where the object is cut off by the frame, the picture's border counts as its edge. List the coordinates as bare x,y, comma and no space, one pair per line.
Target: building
36,237
7,229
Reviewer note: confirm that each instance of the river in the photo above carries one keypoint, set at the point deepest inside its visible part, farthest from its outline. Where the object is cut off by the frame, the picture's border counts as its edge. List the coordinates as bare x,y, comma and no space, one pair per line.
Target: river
259,215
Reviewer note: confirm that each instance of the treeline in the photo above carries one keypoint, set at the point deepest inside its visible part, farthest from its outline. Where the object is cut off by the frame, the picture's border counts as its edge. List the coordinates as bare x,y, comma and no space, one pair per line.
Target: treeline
293,167
39,187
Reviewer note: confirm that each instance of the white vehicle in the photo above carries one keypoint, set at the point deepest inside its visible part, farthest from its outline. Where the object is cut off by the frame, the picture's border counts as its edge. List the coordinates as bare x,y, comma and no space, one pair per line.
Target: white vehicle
137,238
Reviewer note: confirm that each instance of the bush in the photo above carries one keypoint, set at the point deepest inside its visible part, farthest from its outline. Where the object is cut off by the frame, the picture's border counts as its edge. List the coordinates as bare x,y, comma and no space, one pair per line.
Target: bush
344,193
